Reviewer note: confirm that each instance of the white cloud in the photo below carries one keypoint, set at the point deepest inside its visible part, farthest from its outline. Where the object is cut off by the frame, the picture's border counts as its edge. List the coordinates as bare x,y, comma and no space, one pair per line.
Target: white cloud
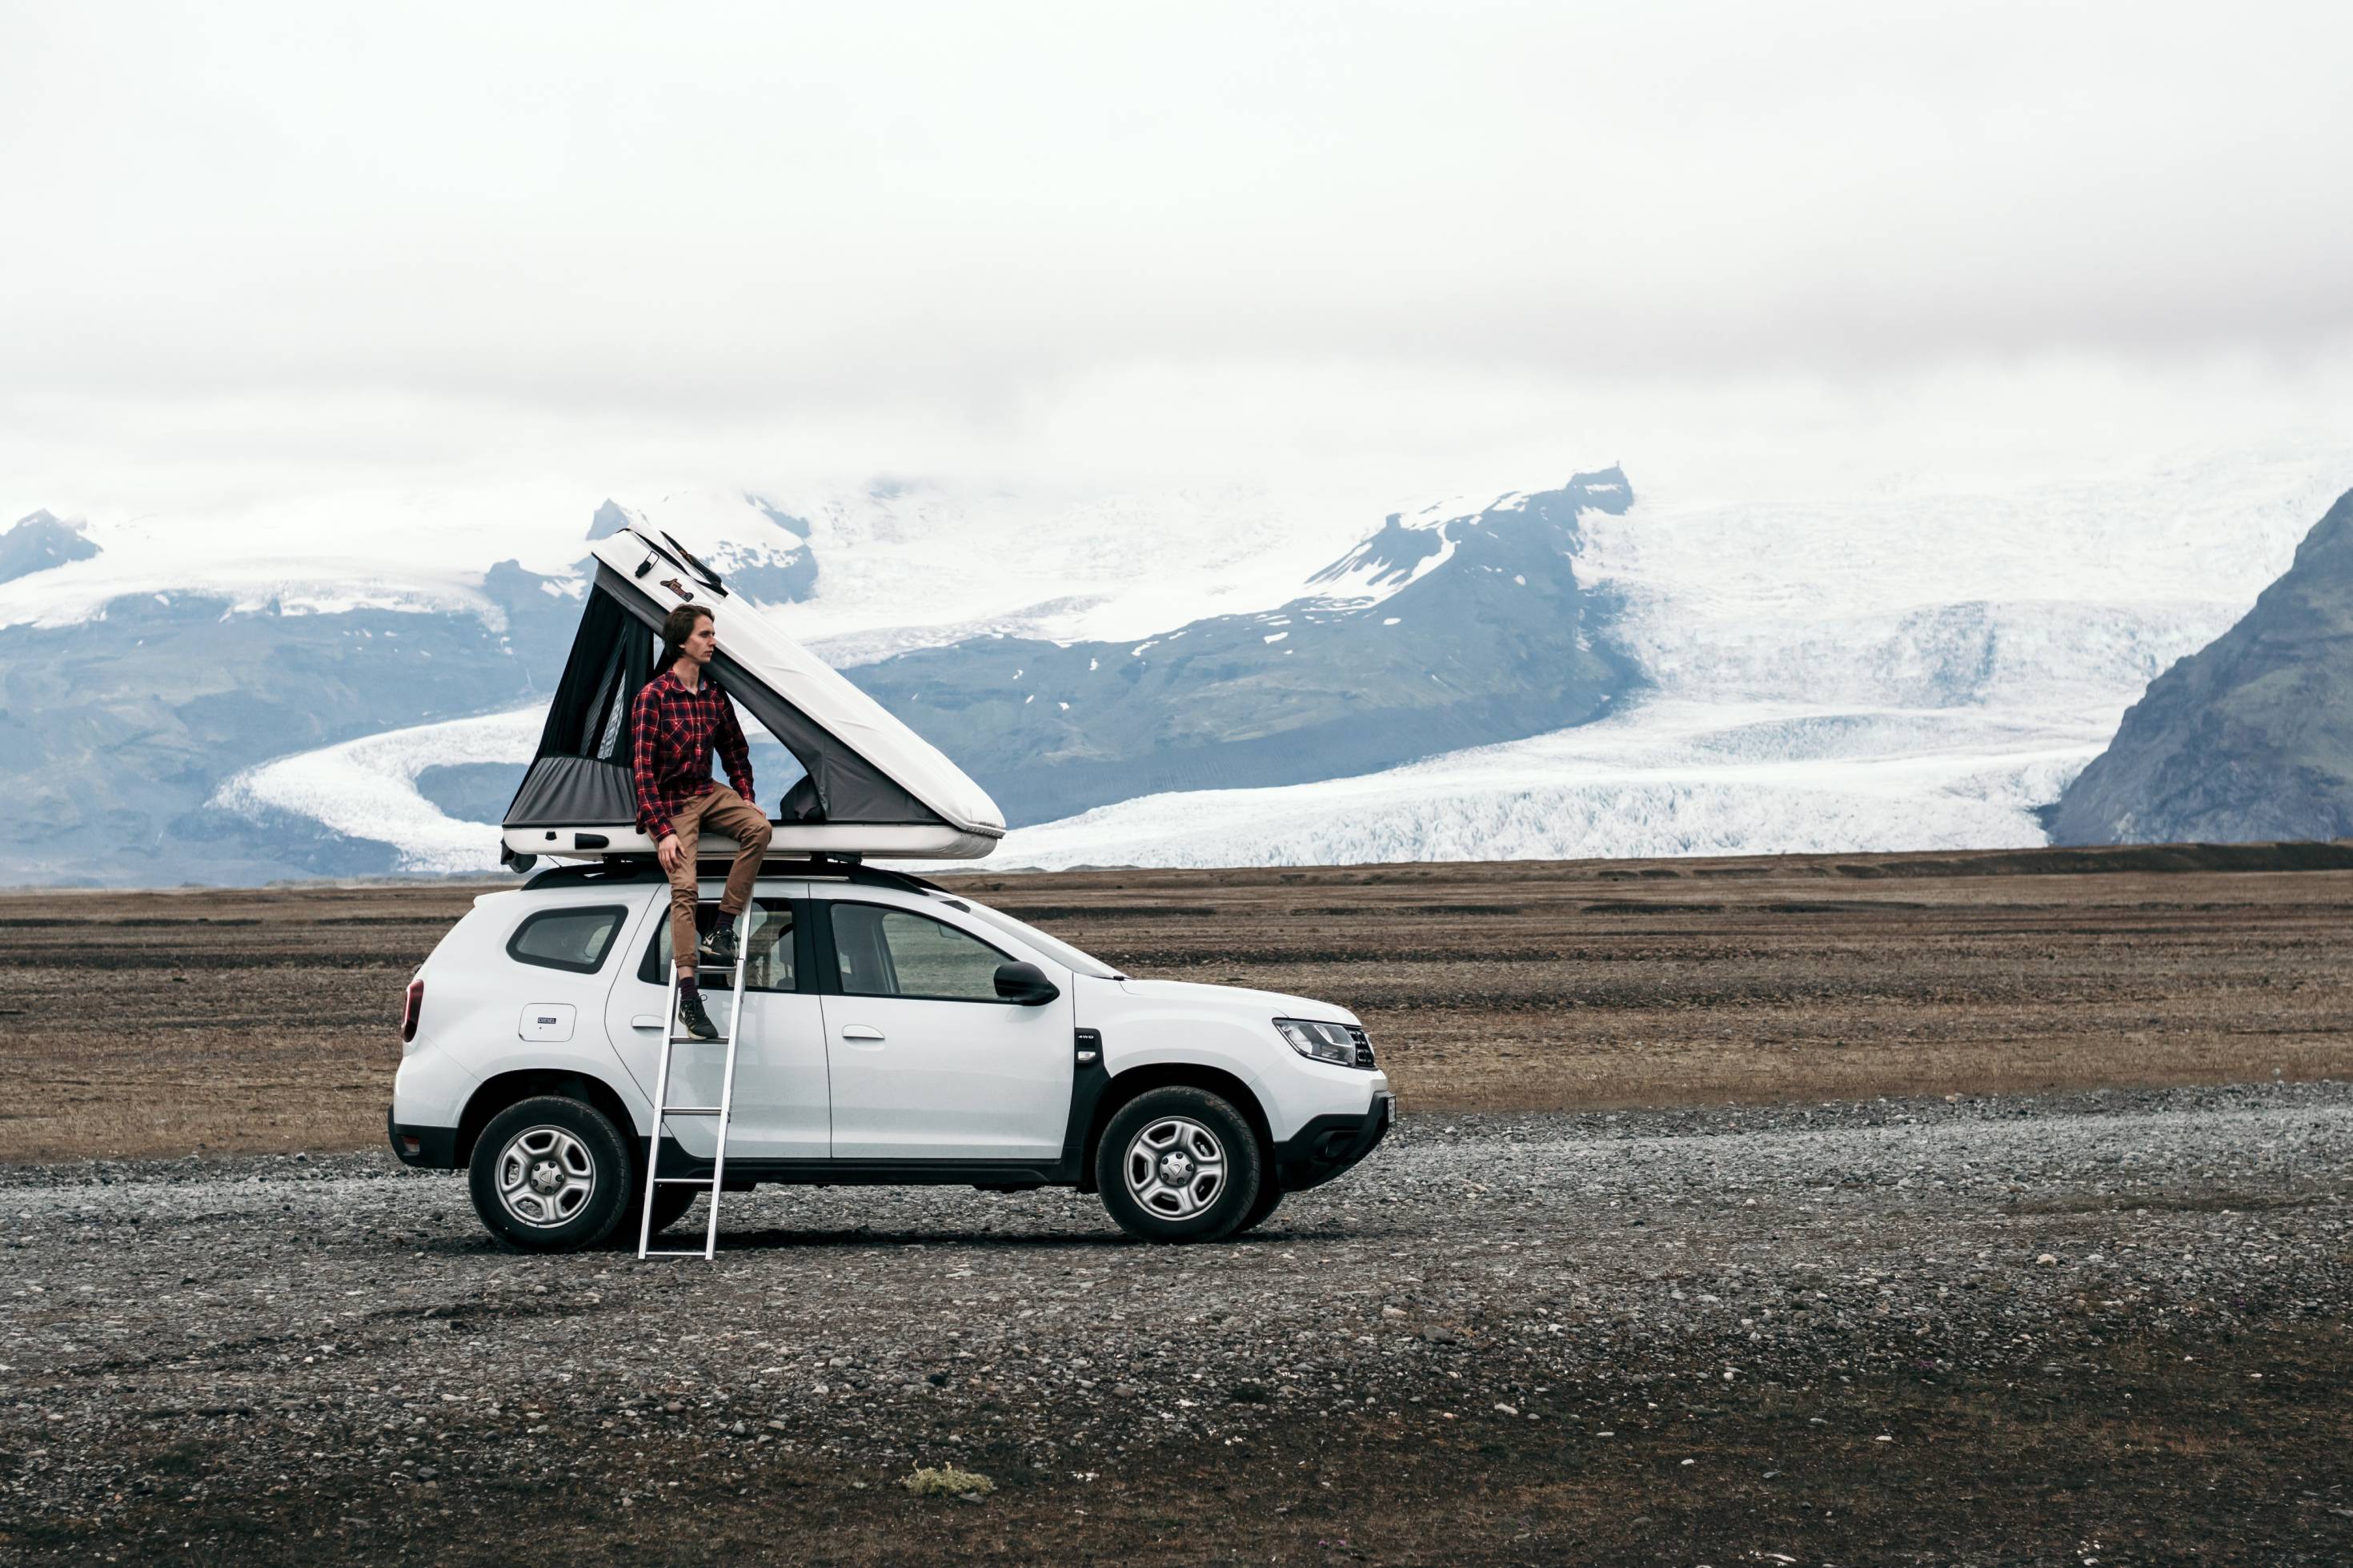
285,251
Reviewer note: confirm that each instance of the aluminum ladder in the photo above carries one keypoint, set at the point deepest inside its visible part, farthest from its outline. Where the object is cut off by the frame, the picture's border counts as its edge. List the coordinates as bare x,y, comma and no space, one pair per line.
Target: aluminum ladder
663,1110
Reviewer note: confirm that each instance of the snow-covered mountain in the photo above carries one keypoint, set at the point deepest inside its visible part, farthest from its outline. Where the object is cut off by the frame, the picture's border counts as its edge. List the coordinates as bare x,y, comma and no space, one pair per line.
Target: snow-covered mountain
1901,670
1453,628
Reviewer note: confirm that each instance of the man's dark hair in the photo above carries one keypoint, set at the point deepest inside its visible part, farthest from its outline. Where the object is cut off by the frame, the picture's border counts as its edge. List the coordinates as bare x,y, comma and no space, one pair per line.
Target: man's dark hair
676,627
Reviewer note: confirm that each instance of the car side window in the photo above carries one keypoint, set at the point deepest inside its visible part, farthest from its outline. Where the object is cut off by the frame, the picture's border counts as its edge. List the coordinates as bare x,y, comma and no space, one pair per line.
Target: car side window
896,952
765,931
572,940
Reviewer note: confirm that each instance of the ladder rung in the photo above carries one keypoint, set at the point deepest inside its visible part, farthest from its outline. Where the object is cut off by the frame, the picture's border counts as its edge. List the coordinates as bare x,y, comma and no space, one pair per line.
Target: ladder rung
696,1040
675,1255
689,1110
681,1180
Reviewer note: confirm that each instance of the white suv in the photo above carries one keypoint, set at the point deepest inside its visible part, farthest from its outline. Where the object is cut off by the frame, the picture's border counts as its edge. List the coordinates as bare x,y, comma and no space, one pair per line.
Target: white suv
895,1034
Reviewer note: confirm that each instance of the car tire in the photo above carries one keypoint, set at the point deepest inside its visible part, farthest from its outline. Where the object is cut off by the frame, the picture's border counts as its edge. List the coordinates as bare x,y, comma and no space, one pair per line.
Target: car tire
552,1174
1179,1164
669,1207
1269,1194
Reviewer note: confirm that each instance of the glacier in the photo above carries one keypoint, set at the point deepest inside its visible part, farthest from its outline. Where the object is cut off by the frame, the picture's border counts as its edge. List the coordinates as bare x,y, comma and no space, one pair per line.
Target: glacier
1667,778
366,789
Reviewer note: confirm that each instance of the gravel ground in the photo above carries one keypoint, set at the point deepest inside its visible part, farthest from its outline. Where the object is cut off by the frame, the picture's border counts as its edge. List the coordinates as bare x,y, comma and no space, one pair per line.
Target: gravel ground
1723,1335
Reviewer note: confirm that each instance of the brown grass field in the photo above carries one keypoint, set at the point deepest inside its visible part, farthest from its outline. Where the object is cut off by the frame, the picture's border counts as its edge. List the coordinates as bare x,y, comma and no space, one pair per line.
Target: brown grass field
168,1023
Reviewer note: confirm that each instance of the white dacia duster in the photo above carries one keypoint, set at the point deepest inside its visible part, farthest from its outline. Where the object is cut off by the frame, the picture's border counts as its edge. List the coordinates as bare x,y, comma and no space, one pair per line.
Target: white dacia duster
893,1032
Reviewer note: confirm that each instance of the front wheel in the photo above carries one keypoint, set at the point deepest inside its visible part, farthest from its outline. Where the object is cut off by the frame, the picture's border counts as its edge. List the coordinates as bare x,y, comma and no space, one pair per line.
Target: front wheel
551,1174
1179,1165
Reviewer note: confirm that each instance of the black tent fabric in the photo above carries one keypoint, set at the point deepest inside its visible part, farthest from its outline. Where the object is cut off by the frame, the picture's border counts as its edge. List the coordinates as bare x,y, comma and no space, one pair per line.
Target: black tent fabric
580,776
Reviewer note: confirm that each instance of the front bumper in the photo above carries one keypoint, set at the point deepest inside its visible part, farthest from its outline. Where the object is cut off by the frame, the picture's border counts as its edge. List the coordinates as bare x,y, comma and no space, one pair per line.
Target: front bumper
1328,1145
427,1148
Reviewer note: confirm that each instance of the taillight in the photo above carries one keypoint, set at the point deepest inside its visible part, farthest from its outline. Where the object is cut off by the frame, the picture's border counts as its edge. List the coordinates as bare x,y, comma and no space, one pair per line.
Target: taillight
409,1009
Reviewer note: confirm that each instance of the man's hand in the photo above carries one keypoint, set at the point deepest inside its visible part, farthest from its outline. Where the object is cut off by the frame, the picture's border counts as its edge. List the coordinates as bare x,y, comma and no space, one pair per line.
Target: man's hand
670,851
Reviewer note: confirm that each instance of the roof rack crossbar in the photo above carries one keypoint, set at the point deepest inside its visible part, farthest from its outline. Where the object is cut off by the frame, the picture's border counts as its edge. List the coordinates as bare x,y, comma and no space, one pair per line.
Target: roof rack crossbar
645,868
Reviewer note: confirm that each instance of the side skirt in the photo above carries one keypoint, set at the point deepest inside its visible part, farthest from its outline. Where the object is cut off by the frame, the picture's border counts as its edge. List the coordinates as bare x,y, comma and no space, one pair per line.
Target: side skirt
744,1171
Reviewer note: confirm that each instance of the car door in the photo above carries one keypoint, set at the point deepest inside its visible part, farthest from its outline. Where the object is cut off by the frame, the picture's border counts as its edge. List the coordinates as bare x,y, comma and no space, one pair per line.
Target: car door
780,1109
926,1062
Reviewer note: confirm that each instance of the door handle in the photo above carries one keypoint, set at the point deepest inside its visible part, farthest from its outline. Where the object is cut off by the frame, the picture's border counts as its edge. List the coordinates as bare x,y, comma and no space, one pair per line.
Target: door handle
860,1032
645,1020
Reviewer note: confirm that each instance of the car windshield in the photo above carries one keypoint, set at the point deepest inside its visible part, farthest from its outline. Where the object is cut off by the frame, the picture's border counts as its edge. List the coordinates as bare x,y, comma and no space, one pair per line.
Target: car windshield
1054,948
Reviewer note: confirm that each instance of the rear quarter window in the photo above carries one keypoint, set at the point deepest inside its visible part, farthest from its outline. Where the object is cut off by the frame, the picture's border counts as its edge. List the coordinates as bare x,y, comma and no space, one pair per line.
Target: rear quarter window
886,951
574,939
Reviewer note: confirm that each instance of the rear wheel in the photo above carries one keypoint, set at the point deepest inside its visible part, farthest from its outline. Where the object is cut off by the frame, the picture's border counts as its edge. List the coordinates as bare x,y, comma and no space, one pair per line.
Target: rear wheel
1269,1194
1179,1164
551,1174
670,1204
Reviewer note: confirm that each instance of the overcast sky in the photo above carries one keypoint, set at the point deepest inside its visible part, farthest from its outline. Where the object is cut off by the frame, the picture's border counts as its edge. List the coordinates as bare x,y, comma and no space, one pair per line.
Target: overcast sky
263,249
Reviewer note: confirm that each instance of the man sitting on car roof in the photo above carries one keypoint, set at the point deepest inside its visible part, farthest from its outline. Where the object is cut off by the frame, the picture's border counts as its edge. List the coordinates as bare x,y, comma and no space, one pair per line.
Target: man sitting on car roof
678,718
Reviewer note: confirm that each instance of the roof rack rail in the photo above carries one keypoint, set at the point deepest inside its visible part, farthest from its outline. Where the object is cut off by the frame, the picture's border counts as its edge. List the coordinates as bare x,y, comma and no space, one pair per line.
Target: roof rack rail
645,868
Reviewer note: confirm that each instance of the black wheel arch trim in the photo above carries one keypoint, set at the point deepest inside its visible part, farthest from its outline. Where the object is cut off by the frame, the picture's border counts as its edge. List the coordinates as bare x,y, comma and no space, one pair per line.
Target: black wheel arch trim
494,1094
1093,1104
1089,1079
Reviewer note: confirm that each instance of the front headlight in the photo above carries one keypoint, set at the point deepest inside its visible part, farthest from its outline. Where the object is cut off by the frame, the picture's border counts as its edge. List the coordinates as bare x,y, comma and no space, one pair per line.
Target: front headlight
1319,1041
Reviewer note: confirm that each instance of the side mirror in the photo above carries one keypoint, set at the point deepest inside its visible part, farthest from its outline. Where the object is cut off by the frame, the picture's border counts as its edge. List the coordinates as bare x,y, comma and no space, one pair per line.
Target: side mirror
1025,983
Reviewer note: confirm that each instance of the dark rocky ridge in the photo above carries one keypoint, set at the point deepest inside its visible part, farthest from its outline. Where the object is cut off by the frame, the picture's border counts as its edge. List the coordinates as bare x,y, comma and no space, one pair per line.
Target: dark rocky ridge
2249,738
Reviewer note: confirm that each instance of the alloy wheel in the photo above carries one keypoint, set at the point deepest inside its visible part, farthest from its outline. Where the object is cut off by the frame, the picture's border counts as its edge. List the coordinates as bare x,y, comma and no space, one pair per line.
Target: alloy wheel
545,1176
1176,1167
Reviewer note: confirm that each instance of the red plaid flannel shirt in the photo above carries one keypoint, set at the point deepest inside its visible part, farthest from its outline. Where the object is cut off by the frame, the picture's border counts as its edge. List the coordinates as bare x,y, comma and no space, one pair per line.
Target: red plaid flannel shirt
675,730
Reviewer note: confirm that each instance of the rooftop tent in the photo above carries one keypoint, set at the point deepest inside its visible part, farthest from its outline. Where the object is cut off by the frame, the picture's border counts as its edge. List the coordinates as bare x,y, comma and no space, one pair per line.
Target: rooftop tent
873,786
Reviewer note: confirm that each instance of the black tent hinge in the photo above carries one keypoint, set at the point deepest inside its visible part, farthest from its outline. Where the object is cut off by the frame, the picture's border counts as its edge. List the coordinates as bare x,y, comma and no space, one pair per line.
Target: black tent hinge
679,554
701,573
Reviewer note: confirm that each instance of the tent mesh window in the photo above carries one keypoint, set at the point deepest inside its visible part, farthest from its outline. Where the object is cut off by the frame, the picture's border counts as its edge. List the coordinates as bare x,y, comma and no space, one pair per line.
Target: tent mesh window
580,776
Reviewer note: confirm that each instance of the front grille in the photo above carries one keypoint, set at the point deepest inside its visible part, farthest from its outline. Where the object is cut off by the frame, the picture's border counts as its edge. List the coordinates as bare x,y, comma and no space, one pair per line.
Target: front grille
1363,1044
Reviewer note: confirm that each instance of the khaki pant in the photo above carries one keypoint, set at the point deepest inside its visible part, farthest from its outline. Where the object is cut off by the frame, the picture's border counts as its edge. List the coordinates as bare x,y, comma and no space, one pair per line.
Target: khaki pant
723,810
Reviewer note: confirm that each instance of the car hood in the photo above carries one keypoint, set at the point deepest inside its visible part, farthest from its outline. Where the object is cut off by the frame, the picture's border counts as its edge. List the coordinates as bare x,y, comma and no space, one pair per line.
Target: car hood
1270,1003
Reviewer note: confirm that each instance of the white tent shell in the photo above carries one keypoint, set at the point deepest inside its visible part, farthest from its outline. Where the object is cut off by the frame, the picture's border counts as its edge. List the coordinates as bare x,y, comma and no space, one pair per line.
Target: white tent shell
875,786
